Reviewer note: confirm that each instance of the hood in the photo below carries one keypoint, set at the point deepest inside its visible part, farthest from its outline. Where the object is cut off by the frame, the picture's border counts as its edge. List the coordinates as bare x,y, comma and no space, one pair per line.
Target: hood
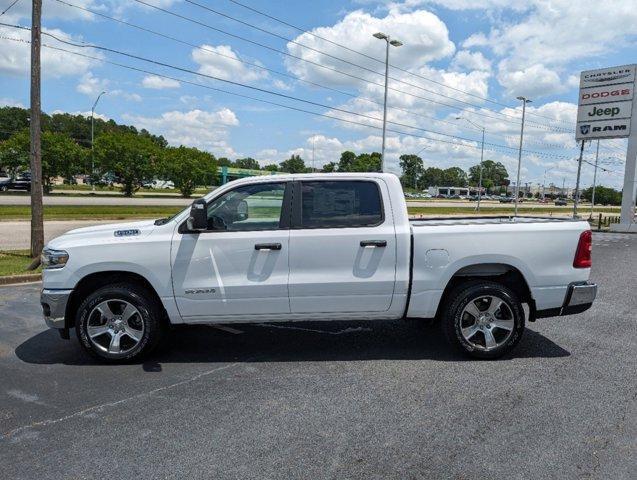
104,233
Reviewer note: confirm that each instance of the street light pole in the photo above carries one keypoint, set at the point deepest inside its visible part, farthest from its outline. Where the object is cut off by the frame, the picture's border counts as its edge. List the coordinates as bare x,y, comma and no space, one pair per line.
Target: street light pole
481,159
394,43
92,132
524,101
594,180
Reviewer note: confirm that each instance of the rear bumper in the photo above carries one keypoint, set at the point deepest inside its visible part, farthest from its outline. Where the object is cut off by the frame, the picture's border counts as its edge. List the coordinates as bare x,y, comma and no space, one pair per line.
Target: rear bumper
54,307
579,298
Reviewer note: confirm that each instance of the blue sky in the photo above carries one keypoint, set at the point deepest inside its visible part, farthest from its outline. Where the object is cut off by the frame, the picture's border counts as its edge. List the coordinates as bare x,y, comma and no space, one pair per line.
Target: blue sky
466,58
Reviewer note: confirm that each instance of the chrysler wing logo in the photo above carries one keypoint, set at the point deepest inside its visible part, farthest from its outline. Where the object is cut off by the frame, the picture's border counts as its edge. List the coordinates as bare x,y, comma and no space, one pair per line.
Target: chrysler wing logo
584,129
609,78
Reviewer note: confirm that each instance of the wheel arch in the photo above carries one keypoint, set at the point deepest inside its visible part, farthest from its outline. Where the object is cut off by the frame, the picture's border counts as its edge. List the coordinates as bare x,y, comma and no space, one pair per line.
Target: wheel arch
93,281
503,273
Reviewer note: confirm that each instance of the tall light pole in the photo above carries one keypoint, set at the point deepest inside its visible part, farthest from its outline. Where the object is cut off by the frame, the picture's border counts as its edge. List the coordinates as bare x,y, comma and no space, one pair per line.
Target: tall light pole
524,101
92,131
594,180
394,43
481,158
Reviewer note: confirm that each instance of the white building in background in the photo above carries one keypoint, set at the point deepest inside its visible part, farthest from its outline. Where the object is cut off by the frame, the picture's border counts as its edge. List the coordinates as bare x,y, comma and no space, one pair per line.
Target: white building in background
462,191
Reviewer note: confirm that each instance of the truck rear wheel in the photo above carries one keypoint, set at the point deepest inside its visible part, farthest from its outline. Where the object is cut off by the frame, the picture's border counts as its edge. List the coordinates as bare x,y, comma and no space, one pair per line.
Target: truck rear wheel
118,323
483,319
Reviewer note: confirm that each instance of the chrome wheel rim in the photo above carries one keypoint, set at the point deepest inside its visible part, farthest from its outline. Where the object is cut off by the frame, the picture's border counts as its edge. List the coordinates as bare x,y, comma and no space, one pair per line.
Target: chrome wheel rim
486,322
115,327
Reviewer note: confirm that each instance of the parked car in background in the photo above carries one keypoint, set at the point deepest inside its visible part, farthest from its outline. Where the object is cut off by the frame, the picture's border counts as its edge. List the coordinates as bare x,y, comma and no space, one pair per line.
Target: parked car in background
21,182
504,199
4,182
561,202
159,184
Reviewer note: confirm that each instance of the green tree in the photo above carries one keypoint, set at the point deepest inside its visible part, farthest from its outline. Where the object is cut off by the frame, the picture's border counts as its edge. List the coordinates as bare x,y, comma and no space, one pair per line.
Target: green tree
432,177
271,168
346,163
224,162
367,162
455,177
329,167
294,164
129,156
249,163
412,168
61,156
188,168
12,120
493,174
603,195
14,152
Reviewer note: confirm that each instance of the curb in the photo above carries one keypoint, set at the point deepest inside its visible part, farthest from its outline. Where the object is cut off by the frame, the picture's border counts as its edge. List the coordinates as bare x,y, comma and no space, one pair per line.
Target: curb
17,279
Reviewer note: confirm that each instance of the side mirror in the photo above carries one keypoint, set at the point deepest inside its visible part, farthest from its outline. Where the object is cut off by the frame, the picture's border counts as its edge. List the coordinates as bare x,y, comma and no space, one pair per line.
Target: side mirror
242,211
198,219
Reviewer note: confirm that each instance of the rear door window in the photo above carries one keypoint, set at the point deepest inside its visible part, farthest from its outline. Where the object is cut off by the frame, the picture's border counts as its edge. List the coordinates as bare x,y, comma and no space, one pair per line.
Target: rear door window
334,204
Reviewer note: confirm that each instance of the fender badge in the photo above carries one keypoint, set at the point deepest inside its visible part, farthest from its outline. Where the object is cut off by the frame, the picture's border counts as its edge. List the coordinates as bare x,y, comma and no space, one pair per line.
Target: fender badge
127,233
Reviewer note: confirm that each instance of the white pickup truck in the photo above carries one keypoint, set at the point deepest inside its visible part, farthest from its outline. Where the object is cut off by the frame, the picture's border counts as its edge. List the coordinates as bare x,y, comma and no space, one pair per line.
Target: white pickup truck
313,247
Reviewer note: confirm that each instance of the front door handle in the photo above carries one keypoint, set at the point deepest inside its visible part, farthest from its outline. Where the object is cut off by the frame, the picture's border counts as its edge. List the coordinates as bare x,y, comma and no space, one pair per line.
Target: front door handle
373,243
267,246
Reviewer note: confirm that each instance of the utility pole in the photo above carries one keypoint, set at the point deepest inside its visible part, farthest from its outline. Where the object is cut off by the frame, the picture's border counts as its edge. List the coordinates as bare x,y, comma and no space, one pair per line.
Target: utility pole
594,180
524,101
37,216
92,131
394,43
579,172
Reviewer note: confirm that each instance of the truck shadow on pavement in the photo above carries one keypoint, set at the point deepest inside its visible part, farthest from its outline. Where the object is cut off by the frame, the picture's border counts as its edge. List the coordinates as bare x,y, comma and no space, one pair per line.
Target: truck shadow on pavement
289,342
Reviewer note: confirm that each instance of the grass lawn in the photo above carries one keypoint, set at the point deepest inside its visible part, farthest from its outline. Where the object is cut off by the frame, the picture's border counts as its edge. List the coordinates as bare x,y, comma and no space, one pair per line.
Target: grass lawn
15,262
89,212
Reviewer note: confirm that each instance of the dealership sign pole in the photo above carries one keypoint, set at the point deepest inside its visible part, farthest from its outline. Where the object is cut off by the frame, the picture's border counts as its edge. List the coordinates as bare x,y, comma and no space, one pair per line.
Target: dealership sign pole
606,107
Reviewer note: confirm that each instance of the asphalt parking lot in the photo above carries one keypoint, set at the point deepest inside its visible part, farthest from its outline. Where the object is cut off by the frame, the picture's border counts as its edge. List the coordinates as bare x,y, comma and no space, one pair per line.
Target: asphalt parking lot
330,400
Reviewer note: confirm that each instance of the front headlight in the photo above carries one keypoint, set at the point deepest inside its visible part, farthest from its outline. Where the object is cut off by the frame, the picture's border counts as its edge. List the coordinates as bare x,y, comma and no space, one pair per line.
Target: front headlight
54,258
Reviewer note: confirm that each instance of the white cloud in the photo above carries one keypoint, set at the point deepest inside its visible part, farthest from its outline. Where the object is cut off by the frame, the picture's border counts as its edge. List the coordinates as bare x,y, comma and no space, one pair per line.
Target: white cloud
15,55
533,81
91,85
159,83
424,35
195,128
86,114
10,102
467,60
223,62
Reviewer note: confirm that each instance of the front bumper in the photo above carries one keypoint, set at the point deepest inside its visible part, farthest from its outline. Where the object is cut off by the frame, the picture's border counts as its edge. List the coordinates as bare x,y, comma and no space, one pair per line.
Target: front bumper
579,298
54,307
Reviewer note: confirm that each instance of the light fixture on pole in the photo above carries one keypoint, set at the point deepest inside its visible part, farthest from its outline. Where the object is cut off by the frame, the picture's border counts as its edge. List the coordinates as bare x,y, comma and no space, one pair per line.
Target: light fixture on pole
524,101
92,131
481,158
393,43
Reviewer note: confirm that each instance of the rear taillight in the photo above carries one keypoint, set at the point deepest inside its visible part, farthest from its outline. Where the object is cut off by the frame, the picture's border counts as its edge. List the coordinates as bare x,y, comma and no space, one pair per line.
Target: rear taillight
583,254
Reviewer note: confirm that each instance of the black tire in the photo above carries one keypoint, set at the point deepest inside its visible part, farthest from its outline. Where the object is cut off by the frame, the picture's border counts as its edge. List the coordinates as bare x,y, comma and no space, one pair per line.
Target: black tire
149,318
455,318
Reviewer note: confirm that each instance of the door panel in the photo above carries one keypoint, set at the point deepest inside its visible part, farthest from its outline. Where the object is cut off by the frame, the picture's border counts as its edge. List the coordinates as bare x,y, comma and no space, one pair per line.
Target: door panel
240,266
336,268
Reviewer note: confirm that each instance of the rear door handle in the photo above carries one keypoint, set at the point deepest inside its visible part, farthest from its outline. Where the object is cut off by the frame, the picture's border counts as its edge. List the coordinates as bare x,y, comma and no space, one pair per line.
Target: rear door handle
373,243
267,246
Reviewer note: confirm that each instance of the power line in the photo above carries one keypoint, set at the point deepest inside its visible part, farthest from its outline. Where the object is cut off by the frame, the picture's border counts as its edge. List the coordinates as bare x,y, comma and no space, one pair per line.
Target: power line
283,22
9,7
472,144
320,65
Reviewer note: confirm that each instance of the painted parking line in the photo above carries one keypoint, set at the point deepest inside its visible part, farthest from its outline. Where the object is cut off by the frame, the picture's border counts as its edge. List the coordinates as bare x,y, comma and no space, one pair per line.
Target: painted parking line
228,329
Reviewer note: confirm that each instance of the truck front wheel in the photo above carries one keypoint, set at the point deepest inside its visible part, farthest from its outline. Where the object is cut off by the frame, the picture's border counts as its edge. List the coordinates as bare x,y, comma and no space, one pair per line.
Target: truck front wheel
483,319
119,322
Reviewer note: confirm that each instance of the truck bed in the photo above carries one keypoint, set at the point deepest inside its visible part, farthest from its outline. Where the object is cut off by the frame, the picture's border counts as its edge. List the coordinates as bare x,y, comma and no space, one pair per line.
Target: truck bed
486,220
